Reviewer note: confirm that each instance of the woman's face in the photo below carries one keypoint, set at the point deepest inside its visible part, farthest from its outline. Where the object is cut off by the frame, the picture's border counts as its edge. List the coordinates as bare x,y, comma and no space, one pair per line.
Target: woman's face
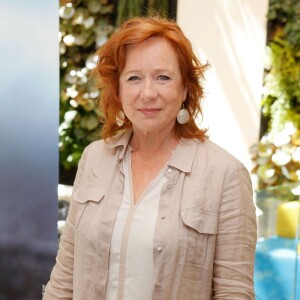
150,87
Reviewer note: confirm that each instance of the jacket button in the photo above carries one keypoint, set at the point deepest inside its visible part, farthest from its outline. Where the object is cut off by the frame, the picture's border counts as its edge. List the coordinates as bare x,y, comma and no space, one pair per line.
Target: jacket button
169,170
157,285
159,249
163,217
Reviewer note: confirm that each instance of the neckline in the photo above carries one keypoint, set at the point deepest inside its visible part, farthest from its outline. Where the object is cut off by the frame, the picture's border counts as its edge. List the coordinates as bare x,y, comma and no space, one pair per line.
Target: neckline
151,184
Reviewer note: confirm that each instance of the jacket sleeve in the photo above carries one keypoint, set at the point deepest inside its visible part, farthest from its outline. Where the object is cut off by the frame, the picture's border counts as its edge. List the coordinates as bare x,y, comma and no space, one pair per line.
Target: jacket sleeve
60,285
236,238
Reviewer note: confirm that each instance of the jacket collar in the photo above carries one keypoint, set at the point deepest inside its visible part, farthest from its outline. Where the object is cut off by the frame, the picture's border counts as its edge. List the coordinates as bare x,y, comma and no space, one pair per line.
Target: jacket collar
120,141
182,158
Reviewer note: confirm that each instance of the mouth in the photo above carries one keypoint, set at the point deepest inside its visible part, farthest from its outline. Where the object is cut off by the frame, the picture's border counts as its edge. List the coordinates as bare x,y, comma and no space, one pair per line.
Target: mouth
149,111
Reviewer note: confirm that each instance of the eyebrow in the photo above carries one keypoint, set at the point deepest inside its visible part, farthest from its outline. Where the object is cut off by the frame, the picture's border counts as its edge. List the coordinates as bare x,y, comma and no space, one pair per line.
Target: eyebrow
160,70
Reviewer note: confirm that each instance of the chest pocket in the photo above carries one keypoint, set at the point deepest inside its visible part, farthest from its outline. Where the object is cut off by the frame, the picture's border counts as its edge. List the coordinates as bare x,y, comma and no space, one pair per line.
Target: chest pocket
198,234
89,199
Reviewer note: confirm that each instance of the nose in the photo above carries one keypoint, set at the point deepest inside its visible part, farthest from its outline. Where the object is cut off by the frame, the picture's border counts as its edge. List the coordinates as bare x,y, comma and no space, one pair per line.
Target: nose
148,90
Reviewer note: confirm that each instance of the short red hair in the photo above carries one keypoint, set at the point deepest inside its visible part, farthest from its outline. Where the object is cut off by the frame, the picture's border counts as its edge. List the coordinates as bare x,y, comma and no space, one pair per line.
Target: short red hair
111,62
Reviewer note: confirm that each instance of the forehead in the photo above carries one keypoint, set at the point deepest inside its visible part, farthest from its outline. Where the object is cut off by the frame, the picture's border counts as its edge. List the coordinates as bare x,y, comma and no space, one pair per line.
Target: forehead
157,49
155,53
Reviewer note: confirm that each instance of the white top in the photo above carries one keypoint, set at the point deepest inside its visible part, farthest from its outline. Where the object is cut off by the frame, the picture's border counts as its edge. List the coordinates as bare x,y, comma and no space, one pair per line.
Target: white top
131,268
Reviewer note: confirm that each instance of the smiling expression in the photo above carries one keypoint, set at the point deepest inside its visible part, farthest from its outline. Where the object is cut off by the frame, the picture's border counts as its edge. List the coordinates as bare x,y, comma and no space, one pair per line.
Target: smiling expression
150,86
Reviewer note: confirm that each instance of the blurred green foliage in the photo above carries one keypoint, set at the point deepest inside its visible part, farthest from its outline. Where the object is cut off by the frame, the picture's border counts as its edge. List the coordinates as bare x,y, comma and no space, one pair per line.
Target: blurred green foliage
277,155
134,8
281,95
85,25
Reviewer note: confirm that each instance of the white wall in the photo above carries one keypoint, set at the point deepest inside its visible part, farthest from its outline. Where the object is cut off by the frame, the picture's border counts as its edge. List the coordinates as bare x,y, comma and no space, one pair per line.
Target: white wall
231,35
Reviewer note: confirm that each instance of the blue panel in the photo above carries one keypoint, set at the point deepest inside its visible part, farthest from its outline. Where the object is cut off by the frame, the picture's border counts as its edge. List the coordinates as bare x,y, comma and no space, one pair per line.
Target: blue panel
276,269
29,111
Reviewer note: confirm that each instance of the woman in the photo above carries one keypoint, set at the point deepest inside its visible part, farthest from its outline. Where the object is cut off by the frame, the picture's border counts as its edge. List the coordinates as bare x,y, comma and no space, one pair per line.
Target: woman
158,211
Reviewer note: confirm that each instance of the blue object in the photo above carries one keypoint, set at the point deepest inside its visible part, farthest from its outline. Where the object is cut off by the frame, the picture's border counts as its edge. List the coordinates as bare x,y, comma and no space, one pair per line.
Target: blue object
277,269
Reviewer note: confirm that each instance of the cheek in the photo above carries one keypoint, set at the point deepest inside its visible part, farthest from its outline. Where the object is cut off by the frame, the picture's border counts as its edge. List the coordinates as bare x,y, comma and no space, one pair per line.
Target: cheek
129,94
124,95
176,97
125,100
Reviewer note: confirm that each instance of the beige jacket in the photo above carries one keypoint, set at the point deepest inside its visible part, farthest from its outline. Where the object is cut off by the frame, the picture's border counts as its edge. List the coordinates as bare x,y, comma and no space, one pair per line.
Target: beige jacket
206,226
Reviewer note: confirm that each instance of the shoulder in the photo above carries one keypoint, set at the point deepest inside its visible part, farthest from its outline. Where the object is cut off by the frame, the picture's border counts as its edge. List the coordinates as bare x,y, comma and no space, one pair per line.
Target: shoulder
219,163
97,153
224,174
110,146
103,152
217,155
216,151
98,146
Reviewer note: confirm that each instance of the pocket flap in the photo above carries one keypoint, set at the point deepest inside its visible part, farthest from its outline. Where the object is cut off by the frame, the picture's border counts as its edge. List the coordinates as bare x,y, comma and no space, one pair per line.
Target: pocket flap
83,195
200,221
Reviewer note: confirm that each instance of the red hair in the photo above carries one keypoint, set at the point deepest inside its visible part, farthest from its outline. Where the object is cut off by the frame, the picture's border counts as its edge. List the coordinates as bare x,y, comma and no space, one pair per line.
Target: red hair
111,62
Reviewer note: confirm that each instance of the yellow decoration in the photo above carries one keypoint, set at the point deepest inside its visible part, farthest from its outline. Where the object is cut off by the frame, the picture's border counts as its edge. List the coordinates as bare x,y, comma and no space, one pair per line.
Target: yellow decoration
288,219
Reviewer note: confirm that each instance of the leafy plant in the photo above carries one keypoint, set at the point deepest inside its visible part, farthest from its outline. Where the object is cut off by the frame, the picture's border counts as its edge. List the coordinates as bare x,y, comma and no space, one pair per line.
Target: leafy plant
277,155
84,26
134,8
281,96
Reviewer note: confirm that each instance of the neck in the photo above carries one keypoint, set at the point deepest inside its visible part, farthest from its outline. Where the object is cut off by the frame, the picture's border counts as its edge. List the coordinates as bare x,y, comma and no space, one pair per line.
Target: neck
148,143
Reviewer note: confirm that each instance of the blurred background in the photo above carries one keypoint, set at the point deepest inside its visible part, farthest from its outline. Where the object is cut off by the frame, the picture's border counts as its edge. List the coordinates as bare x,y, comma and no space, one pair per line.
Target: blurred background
48,115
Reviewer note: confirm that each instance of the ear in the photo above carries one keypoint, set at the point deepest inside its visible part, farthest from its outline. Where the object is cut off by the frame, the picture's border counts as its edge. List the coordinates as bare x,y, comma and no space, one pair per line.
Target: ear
185,92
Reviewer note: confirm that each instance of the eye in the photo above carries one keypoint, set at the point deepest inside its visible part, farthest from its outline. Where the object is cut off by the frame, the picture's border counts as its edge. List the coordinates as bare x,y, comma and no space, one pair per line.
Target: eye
134,78
163,77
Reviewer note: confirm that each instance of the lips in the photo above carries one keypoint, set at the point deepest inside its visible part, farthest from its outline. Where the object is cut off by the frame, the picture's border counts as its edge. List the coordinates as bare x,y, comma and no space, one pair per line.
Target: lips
149,111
